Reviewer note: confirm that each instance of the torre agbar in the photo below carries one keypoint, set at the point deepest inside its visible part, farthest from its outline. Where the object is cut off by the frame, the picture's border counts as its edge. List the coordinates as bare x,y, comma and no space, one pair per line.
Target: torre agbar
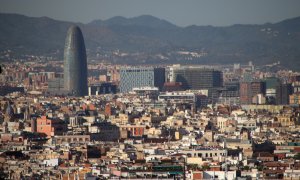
75,64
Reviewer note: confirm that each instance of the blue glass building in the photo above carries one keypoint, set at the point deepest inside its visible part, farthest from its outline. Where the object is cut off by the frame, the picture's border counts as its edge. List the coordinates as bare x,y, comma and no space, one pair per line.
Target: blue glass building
135,77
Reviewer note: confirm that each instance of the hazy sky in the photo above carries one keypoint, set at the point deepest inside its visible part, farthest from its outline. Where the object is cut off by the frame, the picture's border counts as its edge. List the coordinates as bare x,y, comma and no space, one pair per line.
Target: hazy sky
179,12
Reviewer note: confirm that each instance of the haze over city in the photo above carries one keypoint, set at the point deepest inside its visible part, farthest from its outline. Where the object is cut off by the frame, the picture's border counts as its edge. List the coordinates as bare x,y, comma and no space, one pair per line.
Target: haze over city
181,13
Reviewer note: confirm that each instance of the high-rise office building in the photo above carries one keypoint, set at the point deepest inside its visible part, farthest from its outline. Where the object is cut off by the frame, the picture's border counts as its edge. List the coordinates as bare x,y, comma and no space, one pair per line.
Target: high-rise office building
56,84
271,89
283,92
75,63
250,89
245,93
197,77
135,77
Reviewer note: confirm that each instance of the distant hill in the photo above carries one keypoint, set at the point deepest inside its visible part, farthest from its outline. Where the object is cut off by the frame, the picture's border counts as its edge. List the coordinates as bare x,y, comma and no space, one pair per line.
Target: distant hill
143,21
262,44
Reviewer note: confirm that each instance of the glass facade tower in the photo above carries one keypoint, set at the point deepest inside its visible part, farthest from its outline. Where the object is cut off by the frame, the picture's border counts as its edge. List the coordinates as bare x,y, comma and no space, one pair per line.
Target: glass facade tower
75,63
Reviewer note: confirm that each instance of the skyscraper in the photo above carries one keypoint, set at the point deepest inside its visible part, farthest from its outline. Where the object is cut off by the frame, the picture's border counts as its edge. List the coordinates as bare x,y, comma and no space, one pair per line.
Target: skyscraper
75,65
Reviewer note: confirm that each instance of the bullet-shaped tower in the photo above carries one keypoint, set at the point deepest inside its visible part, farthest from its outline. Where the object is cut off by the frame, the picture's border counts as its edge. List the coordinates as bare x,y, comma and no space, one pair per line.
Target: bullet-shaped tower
75,65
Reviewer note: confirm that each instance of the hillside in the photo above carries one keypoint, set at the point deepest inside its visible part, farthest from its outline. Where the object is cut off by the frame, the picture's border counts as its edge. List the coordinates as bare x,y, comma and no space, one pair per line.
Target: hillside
149,37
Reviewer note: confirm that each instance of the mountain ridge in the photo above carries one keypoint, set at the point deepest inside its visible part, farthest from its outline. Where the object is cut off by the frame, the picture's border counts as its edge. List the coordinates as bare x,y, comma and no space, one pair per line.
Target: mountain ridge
142,20
150,36
237,24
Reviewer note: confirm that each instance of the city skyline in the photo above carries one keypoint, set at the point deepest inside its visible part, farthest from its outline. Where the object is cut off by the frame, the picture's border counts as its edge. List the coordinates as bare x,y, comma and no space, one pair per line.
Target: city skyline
142,98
